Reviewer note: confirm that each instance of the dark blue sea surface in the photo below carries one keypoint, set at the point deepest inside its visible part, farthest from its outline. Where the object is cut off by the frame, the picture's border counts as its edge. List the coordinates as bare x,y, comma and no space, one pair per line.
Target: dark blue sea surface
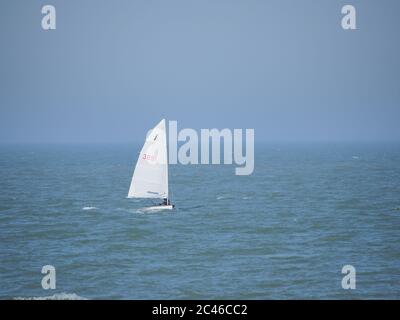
284,232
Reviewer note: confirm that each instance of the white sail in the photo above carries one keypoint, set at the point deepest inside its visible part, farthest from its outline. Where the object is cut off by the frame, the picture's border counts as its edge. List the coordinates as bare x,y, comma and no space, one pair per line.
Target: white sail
150,179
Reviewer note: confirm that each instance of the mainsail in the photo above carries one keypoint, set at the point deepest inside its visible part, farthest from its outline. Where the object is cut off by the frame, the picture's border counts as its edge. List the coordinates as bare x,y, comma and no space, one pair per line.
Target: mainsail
150,179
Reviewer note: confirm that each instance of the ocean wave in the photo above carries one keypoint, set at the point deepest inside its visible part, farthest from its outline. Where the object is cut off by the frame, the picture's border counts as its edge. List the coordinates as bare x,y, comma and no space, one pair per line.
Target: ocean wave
225,197
57,296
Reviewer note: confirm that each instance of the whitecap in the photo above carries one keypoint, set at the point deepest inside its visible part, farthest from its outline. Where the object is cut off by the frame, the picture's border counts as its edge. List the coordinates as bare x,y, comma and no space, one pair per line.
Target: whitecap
57,296
89,208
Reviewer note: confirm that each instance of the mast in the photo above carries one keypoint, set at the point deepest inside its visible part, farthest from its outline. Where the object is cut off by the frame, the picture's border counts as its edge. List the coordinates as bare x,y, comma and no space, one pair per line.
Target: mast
166,157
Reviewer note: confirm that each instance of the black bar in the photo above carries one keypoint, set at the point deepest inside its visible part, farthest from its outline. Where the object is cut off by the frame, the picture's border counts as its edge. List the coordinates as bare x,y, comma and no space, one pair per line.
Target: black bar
178,309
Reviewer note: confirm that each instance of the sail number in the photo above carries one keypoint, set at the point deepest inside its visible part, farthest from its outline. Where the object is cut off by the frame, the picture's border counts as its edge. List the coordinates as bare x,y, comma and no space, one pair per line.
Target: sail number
149,157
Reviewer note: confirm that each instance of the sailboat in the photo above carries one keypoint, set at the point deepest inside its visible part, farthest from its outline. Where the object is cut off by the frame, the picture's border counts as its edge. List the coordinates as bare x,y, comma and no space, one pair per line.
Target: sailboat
150,178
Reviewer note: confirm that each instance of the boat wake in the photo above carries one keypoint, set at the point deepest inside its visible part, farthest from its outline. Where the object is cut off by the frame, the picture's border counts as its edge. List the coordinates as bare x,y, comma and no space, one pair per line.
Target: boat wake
192,207
57,296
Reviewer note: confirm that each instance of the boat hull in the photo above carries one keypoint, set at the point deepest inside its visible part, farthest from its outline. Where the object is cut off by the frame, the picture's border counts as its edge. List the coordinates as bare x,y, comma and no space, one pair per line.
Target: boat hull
162,207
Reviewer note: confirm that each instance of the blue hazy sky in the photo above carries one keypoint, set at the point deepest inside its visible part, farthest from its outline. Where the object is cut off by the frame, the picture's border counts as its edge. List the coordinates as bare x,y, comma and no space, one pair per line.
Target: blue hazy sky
113,69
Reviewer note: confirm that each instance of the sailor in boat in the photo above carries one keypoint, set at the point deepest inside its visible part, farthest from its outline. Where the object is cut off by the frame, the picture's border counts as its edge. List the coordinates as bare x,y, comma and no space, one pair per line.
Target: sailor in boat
166,202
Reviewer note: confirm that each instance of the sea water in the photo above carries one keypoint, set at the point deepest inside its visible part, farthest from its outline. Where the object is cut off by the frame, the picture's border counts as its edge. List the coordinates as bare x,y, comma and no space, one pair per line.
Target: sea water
284,232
